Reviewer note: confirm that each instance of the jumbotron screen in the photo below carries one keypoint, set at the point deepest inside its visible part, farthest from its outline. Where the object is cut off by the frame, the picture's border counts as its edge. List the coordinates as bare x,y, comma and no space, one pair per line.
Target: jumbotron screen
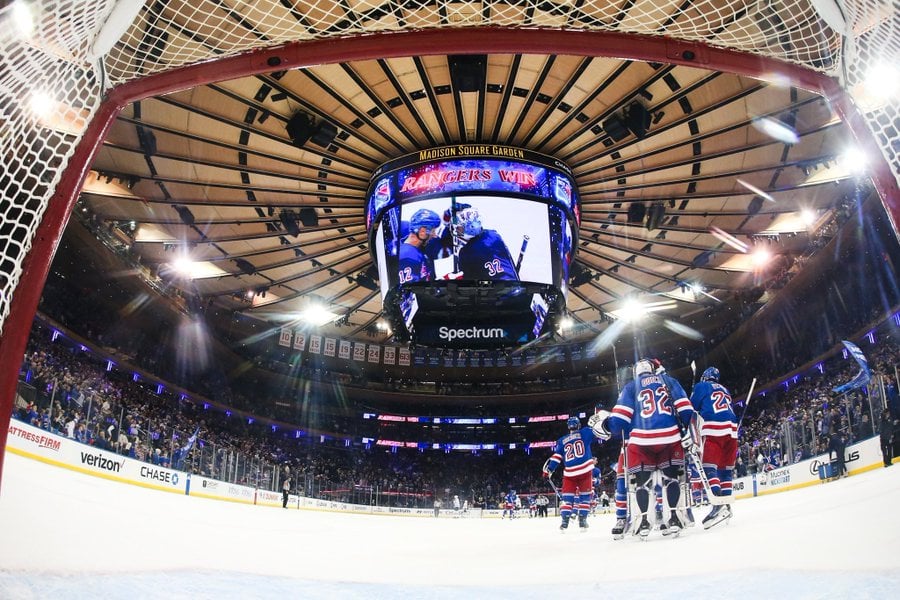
473,243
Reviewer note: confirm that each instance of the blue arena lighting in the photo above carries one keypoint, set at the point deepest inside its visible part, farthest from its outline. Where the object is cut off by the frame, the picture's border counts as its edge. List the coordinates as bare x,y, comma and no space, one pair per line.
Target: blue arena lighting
109,365
821,367
206,406
56,334
159,388
250,421
227,413
135,377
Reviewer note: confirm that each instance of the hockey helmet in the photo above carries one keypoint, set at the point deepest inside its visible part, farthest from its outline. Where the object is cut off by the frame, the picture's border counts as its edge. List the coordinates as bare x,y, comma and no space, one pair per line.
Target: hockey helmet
424,218
710,374
573,424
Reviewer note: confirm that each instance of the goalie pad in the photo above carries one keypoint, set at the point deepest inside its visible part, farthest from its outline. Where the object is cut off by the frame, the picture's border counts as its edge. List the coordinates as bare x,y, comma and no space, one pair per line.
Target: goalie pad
599,424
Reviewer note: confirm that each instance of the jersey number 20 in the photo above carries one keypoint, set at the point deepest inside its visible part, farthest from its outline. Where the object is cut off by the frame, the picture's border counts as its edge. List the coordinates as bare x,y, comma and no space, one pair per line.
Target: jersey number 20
574,450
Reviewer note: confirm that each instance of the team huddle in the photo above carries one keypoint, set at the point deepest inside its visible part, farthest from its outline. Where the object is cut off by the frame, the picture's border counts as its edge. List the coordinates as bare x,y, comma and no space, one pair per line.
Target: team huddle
478,253
657,425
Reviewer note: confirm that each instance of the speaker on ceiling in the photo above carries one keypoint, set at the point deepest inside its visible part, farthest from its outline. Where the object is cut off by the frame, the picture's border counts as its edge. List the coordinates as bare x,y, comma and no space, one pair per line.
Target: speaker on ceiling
323,133
754,205
309,217
637,119
299,128
468,72
655,215
636,212
615,128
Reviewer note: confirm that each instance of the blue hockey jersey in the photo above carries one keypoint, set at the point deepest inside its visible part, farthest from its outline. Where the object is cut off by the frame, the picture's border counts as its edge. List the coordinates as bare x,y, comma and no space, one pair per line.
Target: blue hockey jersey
486,256
647,410
713,402
574,451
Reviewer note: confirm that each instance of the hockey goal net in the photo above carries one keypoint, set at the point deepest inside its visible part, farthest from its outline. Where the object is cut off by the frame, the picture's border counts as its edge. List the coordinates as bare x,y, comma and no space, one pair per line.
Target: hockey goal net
55,71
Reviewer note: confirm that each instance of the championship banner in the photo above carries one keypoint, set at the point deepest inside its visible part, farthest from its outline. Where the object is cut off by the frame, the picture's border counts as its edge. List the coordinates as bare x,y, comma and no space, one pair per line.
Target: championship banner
299,340
284,338
330,344
516,360
344,351
403,359
390,355
502,360
359,351
461,358
315,344
374,353
448,360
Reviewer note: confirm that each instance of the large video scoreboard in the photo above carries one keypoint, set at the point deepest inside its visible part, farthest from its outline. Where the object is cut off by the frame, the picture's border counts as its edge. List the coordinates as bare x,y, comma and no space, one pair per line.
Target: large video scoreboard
473,244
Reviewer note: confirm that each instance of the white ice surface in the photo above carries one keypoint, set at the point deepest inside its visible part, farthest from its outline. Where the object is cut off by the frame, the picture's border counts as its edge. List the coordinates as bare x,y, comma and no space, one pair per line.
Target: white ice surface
69,535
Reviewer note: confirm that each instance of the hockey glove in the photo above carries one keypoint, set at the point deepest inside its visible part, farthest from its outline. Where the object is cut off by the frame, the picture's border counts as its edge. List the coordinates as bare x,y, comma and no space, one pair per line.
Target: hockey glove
599,423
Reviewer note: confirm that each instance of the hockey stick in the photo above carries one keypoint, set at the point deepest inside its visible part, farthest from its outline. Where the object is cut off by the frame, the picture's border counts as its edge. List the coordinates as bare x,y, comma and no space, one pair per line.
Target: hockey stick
525,239
550,480
454,234
747,403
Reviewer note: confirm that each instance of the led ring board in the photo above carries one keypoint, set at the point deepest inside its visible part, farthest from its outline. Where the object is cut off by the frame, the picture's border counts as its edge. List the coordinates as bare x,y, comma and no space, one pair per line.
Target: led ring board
473,244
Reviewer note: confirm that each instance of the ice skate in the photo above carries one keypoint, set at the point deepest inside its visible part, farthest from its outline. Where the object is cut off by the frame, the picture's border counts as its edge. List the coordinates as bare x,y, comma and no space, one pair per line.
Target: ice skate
674,526
564,525
644,528
718,514
618,530
583,524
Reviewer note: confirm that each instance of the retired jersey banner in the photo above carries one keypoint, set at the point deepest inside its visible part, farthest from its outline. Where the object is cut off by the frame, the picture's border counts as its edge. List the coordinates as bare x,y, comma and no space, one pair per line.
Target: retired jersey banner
374,353
284,338
403,359
359,351
344,351
330,344
299,340
315,344
390,354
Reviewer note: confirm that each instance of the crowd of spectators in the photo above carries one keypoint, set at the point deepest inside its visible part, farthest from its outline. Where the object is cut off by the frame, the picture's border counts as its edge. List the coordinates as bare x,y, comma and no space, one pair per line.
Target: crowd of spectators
76,395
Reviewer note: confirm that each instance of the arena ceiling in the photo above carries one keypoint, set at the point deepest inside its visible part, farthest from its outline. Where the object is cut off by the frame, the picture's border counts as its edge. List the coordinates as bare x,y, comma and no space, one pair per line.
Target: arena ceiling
728,165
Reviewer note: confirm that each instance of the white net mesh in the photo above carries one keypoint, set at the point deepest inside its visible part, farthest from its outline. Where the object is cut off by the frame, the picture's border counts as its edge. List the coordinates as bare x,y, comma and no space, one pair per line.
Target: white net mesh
45,70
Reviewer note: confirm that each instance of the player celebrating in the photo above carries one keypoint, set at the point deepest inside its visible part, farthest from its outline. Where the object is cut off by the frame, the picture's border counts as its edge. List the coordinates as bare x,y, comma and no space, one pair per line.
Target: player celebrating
648,410
574,451
483,253
719,433
414,264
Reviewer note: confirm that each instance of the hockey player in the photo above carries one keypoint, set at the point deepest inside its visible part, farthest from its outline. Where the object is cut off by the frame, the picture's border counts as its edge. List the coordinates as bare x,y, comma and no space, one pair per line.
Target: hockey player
649,409
414,264
483,253
604,502
573,450
712,401
509,504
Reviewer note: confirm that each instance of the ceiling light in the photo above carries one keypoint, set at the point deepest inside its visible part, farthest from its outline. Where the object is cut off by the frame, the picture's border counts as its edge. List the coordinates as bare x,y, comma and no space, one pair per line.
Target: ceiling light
183,265
761,256
809,216
777,130
317,315
854,161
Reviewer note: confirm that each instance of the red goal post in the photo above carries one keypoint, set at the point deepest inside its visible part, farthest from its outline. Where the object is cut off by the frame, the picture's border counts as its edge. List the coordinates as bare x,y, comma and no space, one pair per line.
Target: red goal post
49,62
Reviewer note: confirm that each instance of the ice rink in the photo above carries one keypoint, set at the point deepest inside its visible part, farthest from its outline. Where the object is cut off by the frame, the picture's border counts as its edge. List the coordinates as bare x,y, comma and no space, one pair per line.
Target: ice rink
68,535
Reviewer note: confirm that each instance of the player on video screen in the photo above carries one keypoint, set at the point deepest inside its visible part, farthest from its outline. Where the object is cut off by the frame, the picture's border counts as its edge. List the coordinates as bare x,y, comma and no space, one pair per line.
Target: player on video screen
414,264
483,253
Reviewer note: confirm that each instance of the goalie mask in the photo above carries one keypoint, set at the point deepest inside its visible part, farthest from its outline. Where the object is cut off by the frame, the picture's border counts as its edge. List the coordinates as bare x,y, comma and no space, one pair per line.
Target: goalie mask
645,366
468,221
